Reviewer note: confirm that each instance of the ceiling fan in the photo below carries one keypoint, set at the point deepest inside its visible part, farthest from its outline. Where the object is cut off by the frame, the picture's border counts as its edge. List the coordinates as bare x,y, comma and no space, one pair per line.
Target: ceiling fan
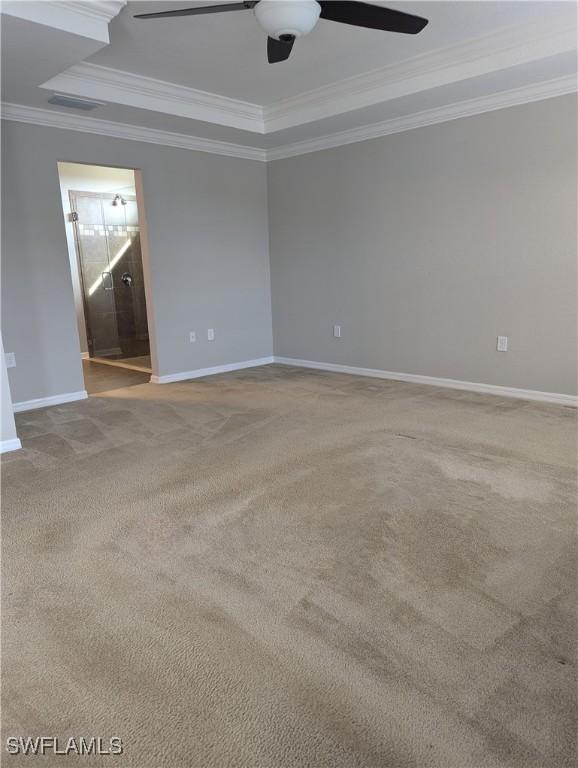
286,20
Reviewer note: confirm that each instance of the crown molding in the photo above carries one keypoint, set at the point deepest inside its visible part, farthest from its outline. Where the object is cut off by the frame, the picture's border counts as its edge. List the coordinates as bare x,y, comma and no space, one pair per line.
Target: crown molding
87,19
515,97
113,85
96,9
488,53
558,87
73,122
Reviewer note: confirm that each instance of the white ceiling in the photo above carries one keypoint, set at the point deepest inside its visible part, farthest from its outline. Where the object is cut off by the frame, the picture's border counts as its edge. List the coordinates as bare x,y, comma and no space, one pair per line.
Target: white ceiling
226,53
204,82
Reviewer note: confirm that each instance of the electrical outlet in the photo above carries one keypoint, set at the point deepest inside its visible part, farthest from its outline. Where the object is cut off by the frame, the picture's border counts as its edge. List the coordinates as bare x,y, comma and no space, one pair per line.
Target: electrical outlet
502,345
10,359
192,337
211,334
337,331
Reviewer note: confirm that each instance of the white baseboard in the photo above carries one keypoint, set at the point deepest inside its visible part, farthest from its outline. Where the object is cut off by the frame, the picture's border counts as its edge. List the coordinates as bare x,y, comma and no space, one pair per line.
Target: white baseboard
200,372
84,356
468,386
44,402
10,445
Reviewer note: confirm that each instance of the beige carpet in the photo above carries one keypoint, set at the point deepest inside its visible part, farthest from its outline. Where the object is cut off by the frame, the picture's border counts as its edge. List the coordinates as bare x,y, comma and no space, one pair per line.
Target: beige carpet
280,568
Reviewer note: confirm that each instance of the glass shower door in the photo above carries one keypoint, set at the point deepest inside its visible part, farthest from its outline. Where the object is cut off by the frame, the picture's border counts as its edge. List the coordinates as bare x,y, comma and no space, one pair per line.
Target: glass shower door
121,223
110,259
96,274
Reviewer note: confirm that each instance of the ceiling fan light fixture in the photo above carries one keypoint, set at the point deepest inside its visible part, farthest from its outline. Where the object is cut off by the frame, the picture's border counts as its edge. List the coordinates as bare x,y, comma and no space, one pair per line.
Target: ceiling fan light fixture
287,19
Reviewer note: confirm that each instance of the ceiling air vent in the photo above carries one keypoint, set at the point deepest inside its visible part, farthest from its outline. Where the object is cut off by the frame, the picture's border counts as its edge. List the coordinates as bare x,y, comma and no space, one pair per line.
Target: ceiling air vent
74,102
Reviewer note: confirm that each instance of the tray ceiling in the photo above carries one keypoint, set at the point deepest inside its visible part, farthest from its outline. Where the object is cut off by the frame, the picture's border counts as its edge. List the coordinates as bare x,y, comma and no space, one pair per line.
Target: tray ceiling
207,77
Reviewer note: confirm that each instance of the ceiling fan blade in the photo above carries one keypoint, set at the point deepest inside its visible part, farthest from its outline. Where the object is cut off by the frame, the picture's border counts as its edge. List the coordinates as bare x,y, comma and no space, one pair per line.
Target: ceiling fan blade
278,50
245,6
371,16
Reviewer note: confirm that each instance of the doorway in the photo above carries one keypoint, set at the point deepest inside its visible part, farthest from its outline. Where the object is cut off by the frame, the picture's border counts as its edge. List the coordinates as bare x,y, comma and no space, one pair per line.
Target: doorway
105,253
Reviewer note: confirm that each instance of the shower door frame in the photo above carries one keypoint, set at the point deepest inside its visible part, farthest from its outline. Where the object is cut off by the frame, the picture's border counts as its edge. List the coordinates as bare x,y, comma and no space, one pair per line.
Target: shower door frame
72,195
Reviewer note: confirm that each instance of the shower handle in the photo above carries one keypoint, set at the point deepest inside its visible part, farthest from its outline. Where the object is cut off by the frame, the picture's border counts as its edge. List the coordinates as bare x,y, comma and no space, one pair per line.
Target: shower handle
126,278
107,281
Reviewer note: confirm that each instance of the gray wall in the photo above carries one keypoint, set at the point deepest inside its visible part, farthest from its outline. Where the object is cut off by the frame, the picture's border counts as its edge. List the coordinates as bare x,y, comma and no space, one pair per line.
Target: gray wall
426,245
207,223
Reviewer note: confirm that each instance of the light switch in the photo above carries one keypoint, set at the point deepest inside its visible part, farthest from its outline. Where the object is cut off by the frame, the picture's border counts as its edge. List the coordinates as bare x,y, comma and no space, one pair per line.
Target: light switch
337,331
10,359
211,334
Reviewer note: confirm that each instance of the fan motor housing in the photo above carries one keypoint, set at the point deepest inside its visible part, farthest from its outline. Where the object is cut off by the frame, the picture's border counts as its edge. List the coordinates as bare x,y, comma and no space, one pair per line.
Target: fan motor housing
286,19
